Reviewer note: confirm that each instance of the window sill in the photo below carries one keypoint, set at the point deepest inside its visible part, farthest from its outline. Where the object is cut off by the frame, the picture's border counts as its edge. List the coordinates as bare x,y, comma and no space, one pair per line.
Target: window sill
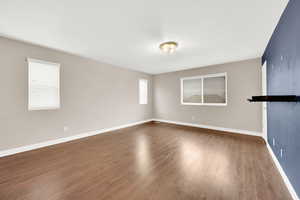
204,104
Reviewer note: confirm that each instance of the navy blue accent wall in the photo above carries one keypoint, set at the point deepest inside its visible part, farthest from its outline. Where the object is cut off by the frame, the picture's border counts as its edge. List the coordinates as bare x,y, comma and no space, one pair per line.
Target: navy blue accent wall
283,78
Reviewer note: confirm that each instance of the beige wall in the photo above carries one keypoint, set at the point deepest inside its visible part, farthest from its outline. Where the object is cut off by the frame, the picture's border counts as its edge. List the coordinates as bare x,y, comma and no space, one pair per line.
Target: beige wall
244,81
94,95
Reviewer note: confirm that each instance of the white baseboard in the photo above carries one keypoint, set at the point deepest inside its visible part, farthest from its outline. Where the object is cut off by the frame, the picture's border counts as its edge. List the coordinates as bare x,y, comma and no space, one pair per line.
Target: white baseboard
283,175
66,139
245,132
253,133
96,132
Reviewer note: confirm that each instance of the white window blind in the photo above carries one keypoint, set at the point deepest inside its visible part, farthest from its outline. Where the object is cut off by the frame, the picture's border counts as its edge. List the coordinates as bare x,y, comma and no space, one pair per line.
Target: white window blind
43,82
143,91
204,90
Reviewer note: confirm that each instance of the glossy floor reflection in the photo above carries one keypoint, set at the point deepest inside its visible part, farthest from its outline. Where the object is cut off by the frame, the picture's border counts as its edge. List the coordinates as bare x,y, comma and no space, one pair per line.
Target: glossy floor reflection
151,161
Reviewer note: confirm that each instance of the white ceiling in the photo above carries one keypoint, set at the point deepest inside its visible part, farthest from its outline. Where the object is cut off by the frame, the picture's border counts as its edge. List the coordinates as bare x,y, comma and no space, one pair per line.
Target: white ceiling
128,33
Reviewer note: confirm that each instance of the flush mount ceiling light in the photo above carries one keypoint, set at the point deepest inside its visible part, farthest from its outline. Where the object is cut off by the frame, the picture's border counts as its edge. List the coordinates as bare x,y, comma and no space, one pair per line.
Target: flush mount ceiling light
168,47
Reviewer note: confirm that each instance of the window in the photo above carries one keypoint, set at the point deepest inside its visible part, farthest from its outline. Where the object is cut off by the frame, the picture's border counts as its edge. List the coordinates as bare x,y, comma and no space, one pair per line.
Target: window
214,90
43,82
143,91
192,91
204,90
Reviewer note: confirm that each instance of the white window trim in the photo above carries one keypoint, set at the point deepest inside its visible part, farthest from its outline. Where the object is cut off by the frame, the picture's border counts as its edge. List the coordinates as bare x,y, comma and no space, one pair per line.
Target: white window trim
202,78
42,62
33,108
147,94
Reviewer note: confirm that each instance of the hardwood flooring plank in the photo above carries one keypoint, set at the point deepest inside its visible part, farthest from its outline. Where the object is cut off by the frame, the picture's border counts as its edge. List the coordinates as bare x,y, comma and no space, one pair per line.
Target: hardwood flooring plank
151,161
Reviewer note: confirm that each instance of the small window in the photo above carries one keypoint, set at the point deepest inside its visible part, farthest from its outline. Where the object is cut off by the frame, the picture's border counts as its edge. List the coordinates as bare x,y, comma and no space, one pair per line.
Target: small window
192,91
143,91
204,90
43,82
214,90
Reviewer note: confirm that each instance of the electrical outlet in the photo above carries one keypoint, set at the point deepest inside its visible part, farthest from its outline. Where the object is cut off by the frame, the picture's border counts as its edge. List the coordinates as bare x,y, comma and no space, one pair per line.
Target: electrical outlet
193,118
281,153
66,128
281,57
273,142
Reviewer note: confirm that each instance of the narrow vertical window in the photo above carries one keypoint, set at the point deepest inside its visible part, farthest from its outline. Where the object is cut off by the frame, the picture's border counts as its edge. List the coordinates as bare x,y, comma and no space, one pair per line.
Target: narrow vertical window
143,91
43,85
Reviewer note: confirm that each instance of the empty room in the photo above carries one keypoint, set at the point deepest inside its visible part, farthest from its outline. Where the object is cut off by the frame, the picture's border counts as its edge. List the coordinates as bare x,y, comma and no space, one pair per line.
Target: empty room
149,100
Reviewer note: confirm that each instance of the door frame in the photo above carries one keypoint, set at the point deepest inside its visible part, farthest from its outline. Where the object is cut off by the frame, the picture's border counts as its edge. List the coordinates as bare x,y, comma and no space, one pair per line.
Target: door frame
264,104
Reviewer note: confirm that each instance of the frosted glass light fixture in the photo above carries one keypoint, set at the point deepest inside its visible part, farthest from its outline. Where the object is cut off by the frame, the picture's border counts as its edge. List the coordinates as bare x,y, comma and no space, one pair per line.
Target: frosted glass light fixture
168,47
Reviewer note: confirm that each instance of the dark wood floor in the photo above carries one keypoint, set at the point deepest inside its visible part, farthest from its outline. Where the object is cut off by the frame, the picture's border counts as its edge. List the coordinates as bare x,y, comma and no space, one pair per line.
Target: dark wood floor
151,161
